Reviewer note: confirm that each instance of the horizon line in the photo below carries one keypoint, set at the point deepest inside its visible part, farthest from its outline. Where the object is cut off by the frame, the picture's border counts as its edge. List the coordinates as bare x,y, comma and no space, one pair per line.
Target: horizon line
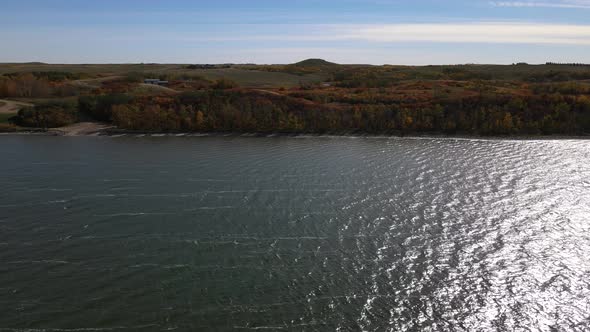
279,64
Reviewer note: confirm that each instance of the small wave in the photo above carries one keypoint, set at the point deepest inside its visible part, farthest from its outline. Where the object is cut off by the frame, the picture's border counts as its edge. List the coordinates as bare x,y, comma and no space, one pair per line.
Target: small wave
81,329
121,180
46,261
60,201
135,214
56,201
97,195
48,189
155,265
211,208
206,180
175,266
261,327
137,266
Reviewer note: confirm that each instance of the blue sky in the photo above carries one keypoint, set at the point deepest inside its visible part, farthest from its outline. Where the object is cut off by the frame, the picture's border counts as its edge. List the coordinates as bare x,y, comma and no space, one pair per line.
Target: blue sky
278,31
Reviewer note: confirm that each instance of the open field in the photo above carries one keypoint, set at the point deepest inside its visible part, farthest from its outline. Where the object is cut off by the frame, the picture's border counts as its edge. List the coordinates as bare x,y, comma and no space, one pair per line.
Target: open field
288,76
257,78
502,72
244,77
95,69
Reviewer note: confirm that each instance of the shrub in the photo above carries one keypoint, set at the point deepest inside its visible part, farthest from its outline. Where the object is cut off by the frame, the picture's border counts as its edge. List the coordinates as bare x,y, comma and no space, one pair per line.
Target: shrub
224,84
47,115
7,128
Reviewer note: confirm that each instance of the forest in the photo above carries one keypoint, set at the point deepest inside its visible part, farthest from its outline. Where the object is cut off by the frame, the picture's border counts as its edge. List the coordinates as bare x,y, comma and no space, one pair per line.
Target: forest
313,96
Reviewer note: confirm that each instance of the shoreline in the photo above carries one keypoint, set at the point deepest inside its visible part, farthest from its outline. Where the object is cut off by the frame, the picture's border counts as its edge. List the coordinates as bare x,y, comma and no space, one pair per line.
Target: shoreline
103,130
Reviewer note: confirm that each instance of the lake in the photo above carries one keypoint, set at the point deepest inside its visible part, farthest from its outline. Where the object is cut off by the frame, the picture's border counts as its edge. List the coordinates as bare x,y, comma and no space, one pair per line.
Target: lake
296,234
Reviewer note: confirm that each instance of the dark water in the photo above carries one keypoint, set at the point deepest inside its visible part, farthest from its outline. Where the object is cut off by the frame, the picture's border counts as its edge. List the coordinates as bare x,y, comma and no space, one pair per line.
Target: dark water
297,234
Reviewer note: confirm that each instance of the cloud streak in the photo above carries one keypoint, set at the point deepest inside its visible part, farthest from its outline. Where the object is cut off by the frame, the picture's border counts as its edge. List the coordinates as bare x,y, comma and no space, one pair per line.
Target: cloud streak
501,32
571,4
488,33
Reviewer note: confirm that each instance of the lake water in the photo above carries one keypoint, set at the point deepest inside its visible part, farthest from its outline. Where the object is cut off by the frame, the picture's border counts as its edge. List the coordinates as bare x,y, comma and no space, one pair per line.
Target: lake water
297,234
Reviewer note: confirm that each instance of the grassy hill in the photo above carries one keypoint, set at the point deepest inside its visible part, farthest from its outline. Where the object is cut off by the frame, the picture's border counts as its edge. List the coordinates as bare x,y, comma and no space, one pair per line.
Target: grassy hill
315,63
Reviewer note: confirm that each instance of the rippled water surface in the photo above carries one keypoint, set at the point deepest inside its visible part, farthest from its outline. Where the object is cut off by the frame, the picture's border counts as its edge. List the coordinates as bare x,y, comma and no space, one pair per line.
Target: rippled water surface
299,234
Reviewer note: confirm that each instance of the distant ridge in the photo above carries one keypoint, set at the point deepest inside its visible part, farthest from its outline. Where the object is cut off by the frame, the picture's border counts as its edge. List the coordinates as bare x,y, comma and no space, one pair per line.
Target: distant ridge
314,63
572,64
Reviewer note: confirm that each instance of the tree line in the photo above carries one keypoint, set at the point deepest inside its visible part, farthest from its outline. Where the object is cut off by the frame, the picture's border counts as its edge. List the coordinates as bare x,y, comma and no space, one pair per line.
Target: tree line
382,100
37,85
573,64
238,110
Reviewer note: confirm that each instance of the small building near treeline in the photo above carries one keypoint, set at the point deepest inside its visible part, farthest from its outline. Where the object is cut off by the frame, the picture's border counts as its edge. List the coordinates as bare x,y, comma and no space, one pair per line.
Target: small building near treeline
155,81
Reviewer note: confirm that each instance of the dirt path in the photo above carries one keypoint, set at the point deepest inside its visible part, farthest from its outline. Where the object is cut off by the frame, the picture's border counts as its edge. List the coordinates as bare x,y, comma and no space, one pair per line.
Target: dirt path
274,93
83,129
94,83
11,107
155,88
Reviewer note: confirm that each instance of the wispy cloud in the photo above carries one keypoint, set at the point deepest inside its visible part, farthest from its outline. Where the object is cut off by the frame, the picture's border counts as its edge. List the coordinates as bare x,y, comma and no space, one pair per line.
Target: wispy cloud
483,32
500,32
572,4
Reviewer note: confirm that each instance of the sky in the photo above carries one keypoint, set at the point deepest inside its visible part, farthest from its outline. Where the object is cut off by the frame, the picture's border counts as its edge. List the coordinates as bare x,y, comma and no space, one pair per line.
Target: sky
415,32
